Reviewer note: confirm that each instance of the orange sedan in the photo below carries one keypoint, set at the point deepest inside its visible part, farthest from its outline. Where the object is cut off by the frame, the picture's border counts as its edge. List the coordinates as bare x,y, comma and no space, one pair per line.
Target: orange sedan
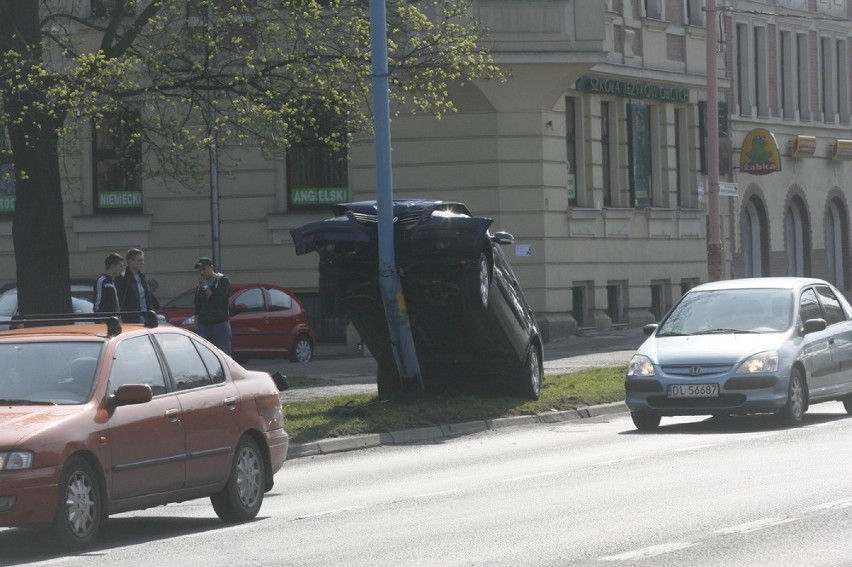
107,417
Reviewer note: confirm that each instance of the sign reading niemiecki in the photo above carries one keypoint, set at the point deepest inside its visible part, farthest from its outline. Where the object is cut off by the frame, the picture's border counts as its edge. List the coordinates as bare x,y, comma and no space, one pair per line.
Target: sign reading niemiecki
319,196
119,199
632,89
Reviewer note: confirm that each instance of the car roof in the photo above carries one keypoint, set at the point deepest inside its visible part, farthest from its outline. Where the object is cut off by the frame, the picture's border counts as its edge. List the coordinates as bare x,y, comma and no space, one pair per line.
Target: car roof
790,283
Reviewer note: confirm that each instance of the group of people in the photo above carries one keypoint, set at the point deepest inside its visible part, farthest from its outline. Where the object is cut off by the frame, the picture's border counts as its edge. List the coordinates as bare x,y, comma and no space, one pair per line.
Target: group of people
123,287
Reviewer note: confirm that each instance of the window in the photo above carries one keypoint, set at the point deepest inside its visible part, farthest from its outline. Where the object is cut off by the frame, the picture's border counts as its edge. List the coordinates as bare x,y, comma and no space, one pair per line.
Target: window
7,174
695,12
606,154
187,369
117,157
743,90
136,362
842,70
211,362
249,301
786,74
654,9
640,155
681,158
809,306
317,171
571,148
278,300
761,94
833,311
827,79
232,20
803,73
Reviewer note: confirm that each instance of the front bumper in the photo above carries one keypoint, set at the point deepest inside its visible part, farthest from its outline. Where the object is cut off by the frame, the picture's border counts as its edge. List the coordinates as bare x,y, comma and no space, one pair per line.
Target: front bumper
34,492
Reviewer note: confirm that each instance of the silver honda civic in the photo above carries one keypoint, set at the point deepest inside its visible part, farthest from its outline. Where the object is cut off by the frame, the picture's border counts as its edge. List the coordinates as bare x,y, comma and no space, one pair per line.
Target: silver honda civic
755,345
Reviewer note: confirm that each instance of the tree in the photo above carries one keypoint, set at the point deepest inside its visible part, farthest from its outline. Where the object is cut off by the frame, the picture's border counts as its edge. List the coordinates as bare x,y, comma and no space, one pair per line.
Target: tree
166,76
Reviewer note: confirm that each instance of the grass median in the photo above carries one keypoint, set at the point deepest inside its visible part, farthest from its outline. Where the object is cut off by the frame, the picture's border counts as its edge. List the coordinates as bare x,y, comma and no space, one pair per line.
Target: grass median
355,415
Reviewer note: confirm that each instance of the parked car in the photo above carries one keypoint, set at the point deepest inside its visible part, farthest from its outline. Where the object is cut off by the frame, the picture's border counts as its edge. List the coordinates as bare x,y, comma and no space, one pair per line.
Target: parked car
266,321
106,417
471,324
759,345
82,299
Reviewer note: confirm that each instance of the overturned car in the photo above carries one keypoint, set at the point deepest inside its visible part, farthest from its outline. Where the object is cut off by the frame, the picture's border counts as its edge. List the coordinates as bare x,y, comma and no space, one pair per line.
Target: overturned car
472,327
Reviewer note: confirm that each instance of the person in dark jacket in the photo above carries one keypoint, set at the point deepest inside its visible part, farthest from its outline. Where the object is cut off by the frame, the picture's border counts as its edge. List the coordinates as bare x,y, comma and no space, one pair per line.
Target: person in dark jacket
133,291
106,294
212,319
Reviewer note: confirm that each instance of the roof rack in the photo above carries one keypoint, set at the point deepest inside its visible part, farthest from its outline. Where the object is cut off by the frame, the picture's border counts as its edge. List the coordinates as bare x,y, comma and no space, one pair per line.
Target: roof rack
112,319
112,323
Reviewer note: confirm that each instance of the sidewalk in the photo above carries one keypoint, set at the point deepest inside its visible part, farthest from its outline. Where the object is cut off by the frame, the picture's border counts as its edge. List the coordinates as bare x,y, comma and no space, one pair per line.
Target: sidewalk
348,374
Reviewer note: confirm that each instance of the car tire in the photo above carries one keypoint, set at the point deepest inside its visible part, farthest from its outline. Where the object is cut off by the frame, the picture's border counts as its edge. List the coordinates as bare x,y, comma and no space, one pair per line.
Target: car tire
303,350
242,496
478,285
387,382
847,404
794,410
530,377
79,508
645,421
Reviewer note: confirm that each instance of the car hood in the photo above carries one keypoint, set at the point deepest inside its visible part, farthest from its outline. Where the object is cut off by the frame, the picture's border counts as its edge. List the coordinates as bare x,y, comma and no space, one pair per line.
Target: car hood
18,423
725,348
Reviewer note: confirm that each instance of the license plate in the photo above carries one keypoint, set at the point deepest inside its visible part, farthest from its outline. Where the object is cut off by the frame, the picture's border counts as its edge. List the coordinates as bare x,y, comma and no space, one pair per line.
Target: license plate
693,391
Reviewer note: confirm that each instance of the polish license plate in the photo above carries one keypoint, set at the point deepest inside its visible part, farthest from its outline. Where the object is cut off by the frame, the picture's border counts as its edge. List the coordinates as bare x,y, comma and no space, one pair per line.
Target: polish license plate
693,391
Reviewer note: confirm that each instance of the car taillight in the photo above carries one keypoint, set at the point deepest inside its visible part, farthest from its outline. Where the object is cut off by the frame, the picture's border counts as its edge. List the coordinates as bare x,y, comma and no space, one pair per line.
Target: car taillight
269,408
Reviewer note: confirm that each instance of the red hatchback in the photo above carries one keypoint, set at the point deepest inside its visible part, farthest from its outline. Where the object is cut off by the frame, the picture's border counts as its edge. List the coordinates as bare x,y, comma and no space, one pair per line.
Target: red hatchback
267,320
106,417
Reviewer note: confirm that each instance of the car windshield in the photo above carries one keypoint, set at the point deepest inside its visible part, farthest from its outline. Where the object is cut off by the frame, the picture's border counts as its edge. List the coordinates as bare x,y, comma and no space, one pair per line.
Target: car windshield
47,372
730,311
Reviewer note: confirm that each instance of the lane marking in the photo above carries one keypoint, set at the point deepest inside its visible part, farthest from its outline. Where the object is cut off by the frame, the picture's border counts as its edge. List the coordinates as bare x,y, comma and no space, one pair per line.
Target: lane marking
693,448
623,460
529,476
429,495
754,526
646,552
329,512
836,505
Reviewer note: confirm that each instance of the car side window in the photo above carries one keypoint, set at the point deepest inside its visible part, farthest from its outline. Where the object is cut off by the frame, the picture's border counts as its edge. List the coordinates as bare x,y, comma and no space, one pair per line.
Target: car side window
187,369
833,310
809,306
212,362
278,300
136,362
250,300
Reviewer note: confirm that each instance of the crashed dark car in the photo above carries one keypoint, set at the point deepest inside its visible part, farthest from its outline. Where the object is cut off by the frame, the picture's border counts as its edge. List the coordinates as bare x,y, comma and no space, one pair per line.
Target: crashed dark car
472,327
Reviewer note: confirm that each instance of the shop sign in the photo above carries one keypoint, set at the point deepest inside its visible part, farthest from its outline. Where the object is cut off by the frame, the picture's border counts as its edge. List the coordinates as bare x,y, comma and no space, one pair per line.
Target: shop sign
119,199
759,154
632,89
305,196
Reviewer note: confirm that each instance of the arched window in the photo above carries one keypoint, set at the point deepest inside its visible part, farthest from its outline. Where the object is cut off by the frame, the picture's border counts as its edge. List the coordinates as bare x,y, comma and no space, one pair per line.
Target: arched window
796,239
835,243
753,230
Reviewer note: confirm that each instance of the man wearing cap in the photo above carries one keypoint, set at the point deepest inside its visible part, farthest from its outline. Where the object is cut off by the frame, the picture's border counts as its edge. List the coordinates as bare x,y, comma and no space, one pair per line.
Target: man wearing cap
211,305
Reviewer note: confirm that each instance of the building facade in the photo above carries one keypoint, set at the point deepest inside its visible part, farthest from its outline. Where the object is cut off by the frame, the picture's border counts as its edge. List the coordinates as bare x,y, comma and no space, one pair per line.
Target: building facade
591,154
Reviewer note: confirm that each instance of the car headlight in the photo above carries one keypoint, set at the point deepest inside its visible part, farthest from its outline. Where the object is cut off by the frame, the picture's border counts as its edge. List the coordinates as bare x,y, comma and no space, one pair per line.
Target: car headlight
760,362
16,460
640,365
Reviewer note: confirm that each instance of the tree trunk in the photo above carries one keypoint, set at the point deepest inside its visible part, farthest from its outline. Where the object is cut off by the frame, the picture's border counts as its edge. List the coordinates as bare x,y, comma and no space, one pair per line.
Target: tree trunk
38,228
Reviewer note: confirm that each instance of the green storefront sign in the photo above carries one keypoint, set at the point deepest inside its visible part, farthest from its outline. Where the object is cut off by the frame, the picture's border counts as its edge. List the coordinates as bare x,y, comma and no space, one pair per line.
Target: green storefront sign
319,196
632,89
7,203
119,199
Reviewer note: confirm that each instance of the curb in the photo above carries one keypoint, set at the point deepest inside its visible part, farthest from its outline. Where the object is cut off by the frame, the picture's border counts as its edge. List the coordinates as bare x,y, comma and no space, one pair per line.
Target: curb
426,434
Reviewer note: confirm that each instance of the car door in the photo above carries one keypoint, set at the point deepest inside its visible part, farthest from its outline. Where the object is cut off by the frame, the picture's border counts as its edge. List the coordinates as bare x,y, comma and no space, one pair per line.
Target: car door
249,321
146,441
209,404
840,328
816,347
283,316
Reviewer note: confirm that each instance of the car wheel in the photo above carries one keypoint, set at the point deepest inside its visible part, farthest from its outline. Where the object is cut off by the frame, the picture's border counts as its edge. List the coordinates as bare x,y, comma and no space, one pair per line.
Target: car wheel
79,511
303,350
479,284
794,409
847,404
529,384
645,421
241,498
387,382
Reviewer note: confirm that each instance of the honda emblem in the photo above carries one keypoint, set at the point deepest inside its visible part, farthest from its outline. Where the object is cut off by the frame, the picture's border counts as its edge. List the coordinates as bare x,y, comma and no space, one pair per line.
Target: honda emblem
695,371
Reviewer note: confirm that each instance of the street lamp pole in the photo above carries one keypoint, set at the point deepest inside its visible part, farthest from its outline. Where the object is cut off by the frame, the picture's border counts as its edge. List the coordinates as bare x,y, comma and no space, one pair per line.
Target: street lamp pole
714,240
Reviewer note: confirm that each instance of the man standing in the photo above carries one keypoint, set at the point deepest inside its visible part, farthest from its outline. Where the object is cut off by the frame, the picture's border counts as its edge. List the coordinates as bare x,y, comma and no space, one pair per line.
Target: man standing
133,291
212,320
106,295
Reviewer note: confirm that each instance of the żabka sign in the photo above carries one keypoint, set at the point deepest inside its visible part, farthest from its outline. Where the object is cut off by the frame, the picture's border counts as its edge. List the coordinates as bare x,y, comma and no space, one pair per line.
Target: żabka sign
759,154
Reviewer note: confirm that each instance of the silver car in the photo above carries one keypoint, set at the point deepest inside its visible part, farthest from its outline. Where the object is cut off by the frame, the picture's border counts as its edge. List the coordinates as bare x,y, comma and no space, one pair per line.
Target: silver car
757,345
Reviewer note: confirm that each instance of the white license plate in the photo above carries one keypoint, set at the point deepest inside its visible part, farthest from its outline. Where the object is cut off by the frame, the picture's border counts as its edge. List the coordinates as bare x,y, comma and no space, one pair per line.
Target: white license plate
693,391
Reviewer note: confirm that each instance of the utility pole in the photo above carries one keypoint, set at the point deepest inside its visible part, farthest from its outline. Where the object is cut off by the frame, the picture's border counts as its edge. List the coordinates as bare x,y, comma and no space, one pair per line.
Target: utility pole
399,327
714,240
213,158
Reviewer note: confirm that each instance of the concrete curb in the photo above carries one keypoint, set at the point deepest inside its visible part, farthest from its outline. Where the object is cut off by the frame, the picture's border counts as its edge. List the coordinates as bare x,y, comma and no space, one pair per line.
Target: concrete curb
426,434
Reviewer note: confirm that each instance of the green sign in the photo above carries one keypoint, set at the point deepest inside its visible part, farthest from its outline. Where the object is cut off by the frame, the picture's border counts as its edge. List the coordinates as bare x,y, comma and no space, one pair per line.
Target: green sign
7,203
319,195
119,199
632,89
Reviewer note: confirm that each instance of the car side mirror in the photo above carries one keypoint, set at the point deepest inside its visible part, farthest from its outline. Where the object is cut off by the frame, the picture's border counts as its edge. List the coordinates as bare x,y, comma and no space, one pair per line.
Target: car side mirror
131,394
649,329
503,238
813,326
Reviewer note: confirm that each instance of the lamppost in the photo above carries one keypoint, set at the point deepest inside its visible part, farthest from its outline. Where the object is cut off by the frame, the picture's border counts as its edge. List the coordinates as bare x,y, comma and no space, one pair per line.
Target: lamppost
714,240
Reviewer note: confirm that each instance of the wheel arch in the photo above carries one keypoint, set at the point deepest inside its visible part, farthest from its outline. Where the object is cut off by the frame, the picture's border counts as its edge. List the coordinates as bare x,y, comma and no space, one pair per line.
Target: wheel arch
260,439
805,385
100,477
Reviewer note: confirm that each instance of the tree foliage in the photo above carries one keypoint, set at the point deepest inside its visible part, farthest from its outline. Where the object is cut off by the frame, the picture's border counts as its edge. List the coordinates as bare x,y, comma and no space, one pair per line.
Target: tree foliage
261,72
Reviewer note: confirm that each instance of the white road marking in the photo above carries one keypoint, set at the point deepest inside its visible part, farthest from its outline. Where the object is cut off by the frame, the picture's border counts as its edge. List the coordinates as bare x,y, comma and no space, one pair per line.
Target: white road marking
646,552
692,448
329,512
754,526
529,476
430,494
836,505
624,460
